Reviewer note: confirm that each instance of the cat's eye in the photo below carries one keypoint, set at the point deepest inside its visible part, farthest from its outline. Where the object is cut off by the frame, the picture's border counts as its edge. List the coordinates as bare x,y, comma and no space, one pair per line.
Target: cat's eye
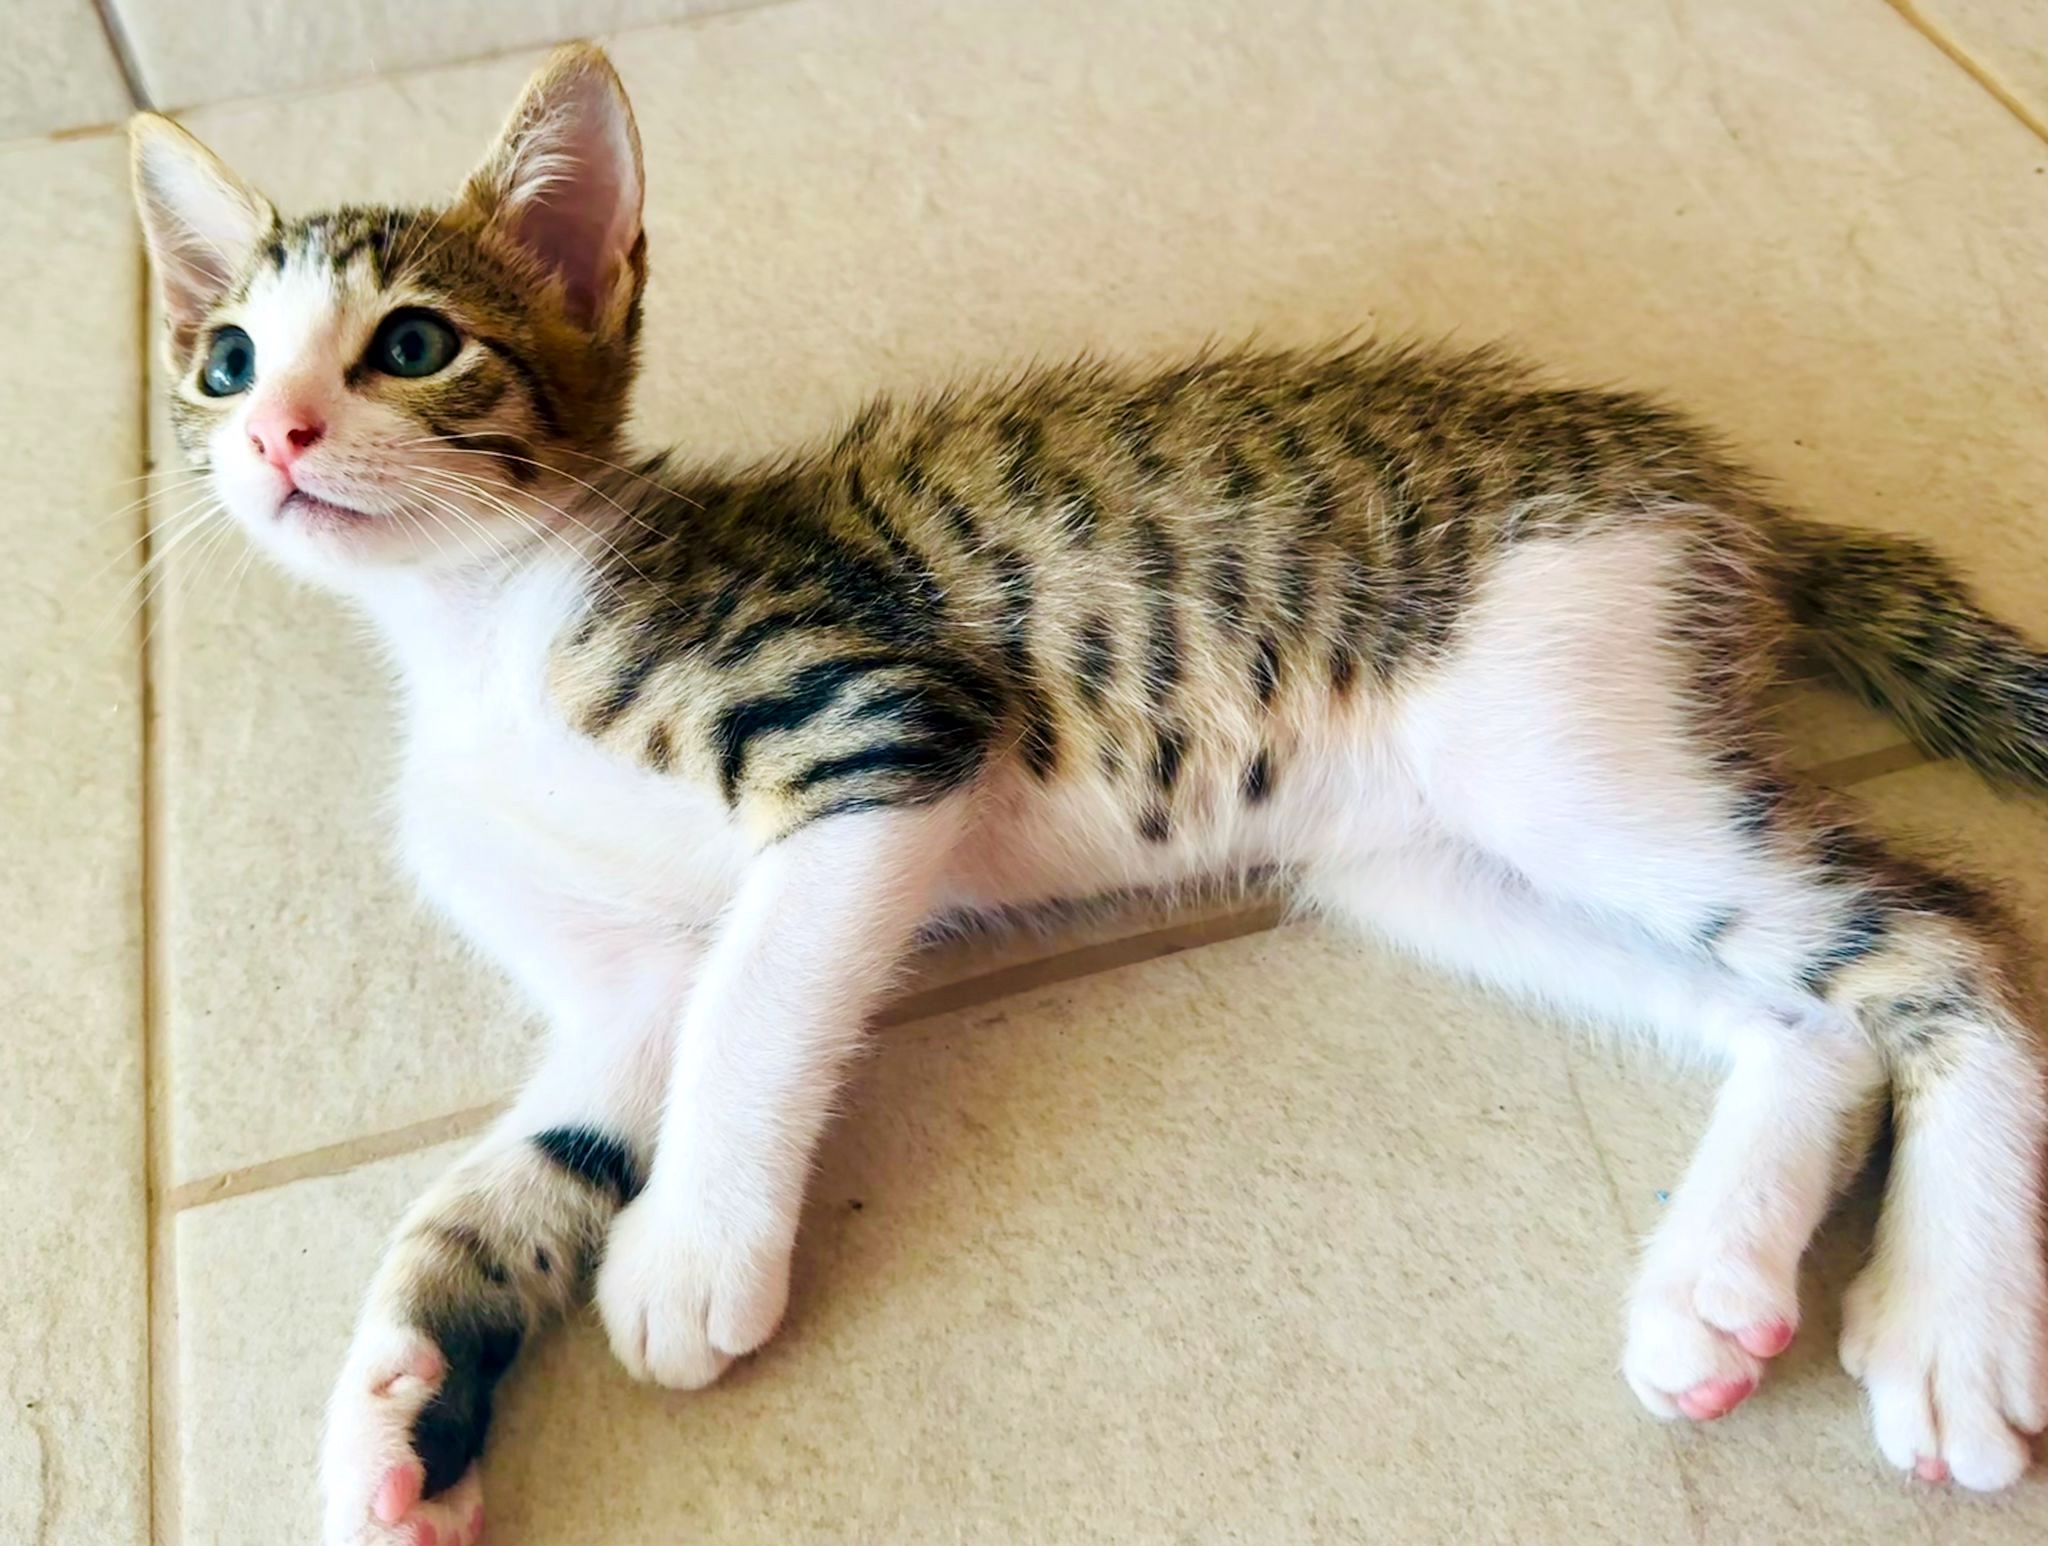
230,364
414,343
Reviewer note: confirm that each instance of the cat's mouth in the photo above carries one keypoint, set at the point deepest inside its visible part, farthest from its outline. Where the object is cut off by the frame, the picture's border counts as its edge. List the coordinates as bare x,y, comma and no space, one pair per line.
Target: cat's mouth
316,511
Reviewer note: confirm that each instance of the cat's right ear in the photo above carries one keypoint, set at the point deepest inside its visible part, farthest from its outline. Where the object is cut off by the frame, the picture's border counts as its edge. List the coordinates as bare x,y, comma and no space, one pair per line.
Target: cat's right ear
563,183
200,221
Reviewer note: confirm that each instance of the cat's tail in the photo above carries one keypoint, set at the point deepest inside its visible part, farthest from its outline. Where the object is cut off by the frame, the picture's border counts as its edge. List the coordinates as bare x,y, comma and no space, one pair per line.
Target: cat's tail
1894,621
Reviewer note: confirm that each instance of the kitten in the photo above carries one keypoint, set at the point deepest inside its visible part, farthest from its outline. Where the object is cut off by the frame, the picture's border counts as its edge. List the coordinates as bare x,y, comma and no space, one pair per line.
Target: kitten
1469,659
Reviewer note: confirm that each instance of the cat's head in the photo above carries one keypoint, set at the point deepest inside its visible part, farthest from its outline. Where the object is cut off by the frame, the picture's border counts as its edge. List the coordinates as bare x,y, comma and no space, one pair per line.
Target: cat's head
378,387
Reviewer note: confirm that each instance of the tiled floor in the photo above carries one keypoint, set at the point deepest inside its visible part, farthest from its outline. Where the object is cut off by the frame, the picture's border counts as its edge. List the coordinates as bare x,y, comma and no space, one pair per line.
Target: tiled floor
1187,1230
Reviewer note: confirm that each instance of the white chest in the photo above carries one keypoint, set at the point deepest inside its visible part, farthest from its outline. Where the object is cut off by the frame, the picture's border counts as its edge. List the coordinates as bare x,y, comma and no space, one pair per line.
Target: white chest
548,853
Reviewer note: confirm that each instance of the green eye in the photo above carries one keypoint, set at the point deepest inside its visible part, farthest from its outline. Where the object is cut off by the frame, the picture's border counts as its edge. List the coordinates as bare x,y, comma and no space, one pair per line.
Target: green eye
230,364
414,343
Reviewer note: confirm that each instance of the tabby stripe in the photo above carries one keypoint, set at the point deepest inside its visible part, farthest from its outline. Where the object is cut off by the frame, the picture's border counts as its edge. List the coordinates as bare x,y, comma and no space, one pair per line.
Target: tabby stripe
1266,671
625,690
474,1249
1862,933
769,625
1229,587
1258,778
811,692
1166,759
920,757
660,751
517,363
595,1158
1095,663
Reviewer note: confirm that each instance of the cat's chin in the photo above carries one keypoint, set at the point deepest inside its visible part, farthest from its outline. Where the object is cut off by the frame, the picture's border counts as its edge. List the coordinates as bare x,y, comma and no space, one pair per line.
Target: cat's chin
332,545
318,514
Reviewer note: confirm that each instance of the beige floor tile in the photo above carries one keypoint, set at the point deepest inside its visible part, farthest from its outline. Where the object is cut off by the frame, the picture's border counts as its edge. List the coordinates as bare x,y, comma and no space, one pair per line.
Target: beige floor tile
310,996
56,69
1805,229
268,1288
2005,39
73,1348
259,47
1279,1240
1944,811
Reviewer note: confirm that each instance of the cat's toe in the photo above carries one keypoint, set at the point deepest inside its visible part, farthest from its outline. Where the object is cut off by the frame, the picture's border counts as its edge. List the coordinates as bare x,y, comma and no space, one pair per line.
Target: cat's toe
680,1301
1954,1370
1699,1334
379,1489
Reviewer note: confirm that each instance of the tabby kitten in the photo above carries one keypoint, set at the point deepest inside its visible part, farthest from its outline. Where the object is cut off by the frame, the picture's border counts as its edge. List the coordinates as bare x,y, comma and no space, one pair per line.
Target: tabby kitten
1469,659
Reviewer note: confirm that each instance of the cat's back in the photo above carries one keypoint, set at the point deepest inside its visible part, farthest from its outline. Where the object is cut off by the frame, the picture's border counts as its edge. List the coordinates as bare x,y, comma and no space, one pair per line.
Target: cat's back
1148,579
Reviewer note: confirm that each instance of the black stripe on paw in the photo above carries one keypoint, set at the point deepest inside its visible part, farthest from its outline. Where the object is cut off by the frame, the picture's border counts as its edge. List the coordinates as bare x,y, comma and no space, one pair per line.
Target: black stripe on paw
448,1434
597,1159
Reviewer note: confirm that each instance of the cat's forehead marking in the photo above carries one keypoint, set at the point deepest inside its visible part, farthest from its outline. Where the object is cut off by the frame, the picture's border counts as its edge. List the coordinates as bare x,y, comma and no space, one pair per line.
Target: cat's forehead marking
290,309
371,246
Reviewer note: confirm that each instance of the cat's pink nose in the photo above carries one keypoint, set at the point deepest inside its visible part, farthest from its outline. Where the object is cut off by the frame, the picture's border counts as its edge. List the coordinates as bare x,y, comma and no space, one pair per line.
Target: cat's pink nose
283,432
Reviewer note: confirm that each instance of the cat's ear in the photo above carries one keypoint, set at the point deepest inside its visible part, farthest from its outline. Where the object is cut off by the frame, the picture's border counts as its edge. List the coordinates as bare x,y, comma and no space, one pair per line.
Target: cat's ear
200,220
563,181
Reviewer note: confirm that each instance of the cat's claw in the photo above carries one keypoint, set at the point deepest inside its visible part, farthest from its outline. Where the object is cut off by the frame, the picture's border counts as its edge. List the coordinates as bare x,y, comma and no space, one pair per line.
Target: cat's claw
372,1481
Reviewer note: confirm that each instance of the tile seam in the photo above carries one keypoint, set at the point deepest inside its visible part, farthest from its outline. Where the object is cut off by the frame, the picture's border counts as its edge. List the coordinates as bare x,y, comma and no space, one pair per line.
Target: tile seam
160,1275
1862,767
971,993
122,47
1986,78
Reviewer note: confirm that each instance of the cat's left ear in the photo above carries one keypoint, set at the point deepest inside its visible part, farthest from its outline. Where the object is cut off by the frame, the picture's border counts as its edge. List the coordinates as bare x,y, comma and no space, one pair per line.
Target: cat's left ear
564,183
200,220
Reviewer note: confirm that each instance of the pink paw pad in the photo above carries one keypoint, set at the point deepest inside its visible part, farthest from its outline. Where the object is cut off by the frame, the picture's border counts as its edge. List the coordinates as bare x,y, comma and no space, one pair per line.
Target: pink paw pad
1714,1398
423,1362
398,1492
1931,1468
1766,1341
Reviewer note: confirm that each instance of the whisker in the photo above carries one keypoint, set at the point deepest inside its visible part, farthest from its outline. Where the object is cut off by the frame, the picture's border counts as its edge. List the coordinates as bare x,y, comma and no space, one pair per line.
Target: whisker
174,529
492,497
631,515
499,545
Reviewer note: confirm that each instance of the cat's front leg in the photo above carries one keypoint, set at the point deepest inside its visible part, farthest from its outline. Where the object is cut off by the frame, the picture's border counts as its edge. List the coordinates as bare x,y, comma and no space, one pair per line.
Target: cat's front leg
697,1269
505,1241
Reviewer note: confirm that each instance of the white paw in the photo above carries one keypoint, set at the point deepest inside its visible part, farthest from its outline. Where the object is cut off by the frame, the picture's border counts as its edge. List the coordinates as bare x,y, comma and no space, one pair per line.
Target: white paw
1955,1372
1701,1324
682,1297
370,1477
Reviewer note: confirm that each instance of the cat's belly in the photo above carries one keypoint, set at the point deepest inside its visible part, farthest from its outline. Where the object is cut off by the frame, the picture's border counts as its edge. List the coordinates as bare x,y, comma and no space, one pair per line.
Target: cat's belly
1031,842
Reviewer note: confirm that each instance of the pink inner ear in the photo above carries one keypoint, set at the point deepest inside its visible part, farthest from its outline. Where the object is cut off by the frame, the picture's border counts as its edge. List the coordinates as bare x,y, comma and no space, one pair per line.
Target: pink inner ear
582,215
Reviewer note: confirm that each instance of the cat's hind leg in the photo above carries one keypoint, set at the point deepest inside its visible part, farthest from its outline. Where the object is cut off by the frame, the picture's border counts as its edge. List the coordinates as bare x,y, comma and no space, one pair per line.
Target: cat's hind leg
1589,739
1716,1296
508,1239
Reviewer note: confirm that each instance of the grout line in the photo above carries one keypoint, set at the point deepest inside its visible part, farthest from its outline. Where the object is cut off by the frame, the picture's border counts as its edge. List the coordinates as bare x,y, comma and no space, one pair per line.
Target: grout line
1864,766
1005,982
160,1463
1088,961
1971,65
330,1159
123,50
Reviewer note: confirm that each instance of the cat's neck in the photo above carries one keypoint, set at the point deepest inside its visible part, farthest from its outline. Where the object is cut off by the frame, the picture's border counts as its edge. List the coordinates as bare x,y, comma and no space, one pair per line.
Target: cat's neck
445,623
